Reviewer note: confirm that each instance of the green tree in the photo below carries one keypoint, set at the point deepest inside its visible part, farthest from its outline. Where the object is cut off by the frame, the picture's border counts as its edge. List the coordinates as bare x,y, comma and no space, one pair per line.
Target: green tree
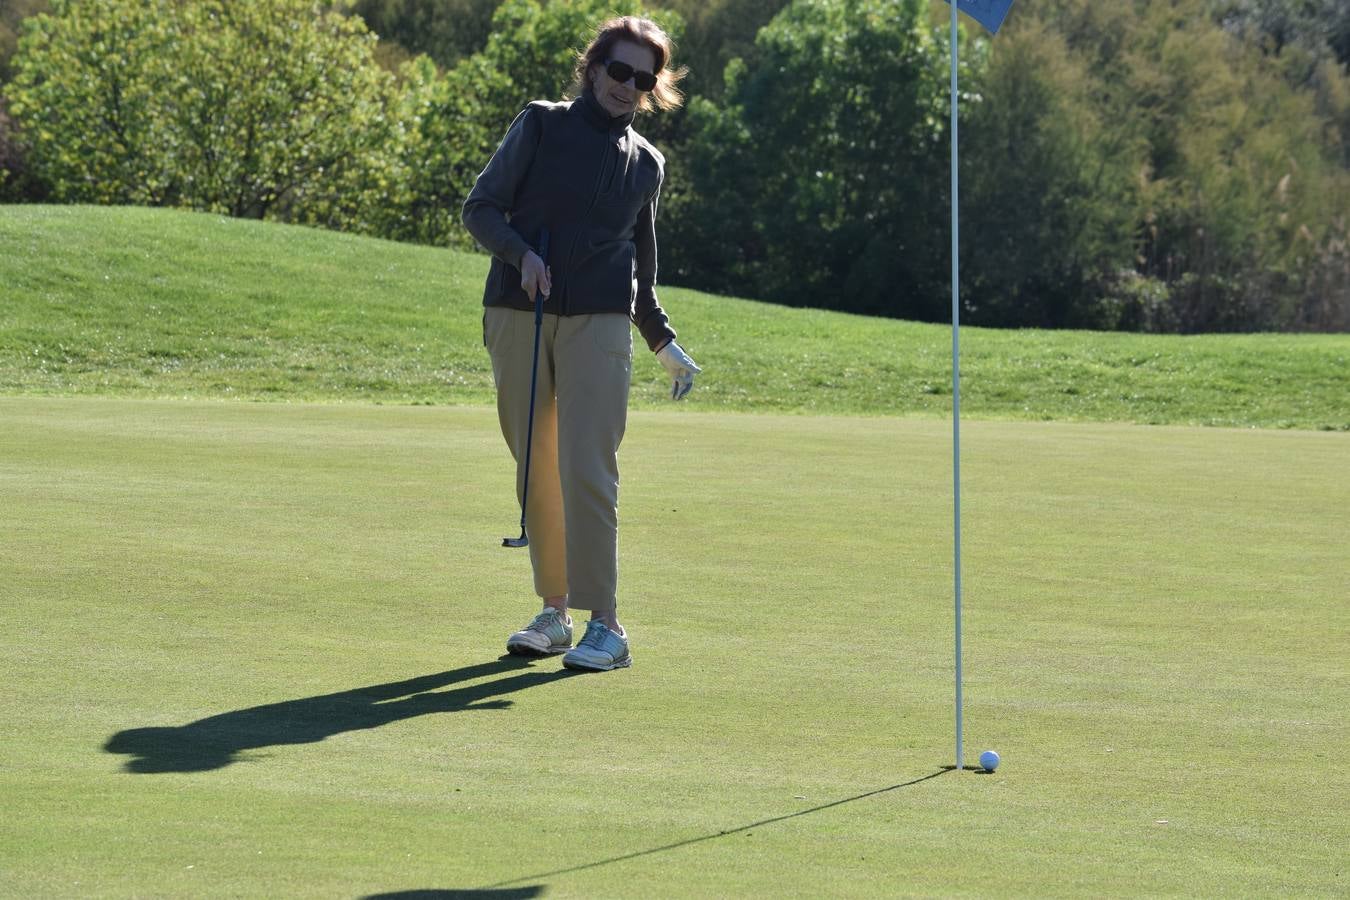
12,14
717,32
1240,186
444,30
89,96
14,183
446,140
363,191
1234,172
273,96
534,46
237,107
1049,189
1309,30
452,122
450,30
822,180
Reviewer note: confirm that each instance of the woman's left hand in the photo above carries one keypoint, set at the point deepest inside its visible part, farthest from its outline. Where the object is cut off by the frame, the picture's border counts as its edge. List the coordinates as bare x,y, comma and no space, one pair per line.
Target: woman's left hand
680,367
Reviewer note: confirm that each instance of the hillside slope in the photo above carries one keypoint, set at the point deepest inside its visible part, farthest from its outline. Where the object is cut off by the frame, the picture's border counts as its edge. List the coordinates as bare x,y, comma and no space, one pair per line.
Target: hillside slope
162,303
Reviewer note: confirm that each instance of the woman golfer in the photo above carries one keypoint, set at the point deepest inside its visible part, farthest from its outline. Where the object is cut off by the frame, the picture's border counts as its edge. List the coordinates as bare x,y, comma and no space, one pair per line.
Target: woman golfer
574,182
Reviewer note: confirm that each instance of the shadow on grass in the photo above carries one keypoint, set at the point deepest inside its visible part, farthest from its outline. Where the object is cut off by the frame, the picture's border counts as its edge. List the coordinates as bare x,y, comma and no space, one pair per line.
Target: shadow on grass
721,834
520,893
215,742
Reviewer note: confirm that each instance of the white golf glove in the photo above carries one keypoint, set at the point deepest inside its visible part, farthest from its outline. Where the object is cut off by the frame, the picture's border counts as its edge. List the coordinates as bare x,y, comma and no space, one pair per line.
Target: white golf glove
680,368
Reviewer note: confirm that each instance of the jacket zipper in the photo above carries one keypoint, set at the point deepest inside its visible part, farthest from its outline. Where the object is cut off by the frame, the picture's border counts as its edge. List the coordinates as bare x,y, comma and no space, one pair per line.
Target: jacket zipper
595,197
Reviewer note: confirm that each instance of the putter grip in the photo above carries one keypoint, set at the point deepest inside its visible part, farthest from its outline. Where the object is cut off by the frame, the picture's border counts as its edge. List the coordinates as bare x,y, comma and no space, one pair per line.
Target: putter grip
543,252
539,301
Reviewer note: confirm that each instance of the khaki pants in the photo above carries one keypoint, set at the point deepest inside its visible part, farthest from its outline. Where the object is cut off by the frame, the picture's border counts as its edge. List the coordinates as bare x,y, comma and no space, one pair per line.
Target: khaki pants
580,412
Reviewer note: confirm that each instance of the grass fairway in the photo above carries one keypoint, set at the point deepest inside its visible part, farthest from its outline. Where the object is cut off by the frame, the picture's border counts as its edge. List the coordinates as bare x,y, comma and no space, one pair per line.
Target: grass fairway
252,650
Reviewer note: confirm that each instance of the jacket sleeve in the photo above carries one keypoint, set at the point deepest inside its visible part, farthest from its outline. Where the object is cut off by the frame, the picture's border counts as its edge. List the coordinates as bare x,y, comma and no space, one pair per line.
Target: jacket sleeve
489,204
650,319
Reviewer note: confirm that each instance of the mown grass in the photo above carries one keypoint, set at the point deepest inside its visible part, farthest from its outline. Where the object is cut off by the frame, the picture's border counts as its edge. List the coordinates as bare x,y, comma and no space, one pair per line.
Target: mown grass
251,650
156,303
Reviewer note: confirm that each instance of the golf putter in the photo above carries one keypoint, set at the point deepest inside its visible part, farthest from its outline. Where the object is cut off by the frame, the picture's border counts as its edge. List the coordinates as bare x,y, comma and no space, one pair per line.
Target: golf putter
523,540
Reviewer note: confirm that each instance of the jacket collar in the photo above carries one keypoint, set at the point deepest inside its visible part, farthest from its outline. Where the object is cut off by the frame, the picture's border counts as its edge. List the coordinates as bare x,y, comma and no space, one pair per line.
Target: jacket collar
598,117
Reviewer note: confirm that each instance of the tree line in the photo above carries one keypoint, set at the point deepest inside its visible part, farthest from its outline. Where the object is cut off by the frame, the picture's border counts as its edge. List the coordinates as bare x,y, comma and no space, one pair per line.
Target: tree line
1156,165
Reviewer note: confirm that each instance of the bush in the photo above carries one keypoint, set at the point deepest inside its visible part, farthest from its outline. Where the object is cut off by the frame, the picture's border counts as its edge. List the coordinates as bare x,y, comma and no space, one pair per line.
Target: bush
237,107
91,95
12,14
1049,196
1133,302
451,123
15,183
822,180
446,31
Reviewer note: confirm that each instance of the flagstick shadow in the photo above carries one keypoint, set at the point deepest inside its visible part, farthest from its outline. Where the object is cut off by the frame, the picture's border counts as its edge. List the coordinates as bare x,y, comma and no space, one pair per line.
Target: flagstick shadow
217,741
523,893
712,837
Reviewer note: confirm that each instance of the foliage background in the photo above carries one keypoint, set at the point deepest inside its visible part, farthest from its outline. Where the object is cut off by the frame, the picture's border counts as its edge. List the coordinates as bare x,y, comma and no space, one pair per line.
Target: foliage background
1153,166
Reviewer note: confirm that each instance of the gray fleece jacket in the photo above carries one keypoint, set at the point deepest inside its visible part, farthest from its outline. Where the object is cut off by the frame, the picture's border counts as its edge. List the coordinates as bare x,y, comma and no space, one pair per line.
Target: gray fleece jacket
593,182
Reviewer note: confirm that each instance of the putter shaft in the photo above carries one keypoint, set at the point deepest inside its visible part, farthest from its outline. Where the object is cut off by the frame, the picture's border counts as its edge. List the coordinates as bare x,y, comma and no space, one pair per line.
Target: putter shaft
523,540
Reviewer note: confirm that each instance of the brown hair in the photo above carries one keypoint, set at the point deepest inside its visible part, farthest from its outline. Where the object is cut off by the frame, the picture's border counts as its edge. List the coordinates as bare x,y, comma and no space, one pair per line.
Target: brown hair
644,33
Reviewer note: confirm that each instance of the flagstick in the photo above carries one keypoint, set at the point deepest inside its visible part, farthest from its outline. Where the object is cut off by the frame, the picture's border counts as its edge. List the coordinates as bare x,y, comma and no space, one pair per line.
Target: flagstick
956,393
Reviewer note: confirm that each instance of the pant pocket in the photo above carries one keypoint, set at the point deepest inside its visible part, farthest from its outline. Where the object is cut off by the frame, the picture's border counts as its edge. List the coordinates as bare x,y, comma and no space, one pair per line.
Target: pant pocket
498,328
613,334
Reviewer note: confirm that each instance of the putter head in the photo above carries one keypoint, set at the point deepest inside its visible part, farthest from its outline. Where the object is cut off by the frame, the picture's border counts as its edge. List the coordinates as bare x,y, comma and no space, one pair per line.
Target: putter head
521,541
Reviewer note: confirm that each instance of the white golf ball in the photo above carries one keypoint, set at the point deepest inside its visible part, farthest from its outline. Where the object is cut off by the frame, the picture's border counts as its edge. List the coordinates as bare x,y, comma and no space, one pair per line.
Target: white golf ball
989,760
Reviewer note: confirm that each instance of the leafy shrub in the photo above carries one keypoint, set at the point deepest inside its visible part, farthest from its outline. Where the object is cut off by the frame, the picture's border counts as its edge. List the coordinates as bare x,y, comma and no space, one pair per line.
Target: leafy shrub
235,107
821,180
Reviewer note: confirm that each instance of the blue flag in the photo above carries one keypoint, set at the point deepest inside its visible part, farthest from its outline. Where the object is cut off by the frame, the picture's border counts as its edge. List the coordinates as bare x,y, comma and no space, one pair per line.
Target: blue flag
989,13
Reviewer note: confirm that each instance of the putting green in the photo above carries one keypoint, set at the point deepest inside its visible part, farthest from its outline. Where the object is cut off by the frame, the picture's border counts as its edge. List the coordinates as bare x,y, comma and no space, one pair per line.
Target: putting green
252,650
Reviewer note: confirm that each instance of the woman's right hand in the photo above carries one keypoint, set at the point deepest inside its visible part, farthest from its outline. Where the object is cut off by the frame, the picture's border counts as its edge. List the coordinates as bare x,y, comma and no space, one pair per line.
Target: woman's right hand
534,275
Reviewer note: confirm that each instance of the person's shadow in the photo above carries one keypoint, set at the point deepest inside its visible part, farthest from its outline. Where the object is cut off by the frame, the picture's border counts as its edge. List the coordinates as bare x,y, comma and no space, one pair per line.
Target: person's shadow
216,741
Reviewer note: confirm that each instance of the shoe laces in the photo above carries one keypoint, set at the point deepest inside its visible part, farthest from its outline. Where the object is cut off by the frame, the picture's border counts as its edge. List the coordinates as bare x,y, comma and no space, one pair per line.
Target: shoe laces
542,622
595,634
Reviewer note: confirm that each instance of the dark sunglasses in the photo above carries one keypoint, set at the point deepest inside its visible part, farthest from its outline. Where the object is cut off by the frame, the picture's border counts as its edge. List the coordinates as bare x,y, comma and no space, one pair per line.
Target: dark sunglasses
622,71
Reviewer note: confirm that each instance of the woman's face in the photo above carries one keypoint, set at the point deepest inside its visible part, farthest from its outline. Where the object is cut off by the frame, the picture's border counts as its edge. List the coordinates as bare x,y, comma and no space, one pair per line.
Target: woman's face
619,98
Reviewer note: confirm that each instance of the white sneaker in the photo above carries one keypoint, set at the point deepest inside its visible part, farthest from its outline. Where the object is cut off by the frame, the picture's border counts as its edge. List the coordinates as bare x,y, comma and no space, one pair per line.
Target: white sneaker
550,632
600,650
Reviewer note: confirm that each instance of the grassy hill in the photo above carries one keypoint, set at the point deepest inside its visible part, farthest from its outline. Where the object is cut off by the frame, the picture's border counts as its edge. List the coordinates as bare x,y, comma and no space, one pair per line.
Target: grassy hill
160,303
